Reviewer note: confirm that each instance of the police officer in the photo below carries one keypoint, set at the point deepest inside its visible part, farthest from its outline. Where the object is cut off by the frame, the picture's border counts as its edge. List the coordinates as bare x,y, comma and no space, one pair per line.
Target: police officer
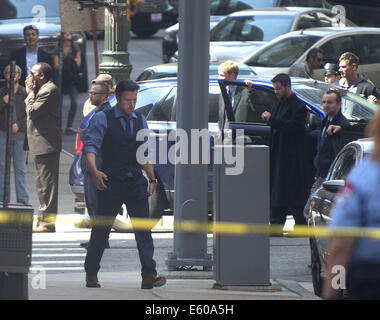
120,180
357,206
332,74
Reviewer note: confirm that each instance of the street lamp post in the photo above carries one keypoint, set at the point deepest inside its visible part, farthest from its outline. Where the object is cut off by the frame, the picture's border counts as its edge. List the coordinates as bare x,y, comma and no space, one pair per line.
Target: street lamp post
117,24
115,57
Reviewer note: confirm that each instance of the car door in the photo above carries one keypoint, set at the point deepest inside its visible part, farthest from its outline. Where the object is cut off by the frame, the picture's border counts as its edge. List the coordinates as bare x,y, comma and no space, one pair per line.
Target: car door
324,197
258,132
162,121
369,66
333,48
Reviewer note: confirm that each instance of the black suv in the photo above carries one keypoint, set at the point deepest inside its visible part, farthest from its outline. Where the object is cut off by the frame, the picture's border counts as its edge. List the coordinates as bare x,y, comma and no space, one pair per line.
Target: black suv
154,15
44,14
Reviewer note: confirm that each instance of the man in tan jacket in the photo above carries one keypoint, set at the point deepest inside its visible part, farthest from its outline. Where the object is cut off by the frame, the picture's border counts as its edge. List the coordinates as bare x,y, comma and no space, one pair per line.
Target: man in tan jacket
44,140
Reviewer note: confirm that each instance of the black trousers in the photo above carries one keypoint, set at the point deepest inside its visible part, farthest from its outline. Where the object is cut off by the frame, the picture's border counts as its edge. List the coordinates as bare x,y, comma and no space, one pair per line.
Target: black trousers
134,195
278,215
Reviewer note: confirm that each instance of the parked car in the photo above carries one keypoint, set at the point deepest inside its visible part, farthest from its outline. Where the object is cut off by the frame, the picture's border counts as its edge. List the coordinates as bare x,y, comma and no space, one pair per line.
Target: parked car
16,14
157,100
242,32
220,8
171,70
323,199
153,16
284,51
364,13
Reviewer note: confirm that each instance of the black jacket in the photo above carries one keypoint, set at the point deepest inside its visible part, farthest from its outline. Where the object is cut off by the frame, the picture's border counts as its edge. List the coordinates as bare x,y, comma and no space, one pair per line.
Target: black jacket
289,177
19,56
325,149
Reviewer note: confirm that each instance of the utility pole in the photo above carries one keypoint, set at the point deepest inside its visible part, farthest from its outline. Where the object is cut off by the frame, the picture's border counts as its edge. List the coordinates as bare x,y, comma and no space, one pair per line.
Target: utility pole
190,202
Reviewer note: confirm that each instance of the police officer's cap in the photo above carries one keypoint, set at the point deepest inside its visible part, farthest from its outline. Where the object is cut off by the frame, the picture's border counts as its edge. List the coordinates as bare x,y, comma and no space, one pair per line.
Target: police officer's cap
331,69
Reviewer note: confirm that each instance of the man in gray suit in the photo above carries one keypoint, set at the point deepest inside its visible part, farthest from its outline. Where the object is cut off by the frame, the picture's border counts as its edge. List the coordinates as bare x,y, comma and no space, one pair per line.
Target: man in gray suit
44,140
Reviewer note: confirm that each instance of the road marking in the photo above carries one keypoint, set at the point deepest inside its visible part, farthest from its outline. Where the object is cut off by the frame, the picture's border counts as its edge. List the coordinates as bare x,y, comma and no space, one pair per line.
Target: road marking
58,249
59,255
58,262
56,268
55,244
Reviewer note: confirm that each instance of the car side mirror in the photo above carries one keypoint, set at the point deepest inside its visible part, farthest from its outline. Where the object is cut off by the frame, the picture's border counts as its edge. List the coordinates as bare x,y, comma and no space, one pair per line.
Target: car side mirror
333,185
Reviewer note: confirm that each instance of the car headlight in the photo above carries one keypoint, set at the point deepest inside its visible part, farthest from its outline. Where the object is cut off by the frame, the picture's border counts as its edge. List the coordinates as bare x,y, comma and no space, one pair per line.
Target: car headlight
170,36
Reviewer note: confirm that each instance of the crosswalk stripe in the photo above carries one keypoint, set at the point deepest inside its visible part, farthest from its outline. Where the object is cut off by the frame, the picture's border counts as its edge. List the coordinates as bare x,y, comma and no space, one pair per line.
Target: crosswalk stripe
59,255
55,244
58,249
58,262
55,268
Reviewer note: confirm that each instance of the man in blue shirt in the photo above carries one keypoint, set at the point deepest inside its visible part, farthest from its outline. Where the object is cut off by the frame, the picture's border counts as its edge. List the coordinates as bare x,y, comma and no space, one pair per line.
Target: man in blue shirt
120,180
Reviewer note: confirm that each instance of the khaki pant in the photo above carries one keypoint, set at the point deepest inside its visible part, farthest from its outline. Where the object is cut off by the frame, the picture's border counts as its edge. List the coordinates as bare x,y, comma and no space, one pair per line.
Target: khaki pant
47,172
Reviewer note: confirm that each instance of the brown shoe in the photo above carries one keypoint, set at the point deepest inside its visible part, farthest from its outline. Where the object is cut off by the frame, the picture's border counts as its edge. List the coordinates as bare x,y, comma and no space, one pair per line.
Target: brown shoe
152,281
92,282
41,229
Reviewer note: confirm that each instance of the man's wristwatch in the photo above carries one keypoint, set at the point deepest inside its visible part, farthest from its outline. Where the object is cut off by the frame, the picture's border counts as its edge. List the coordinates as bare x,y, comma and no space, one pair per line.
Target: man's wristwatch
153,181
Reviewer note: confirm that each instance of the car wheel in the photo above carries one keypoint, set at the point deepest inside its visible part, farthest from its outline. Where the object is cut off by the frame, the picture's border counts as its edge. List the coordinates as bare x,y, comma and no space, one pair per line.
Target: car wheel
316,268
157,202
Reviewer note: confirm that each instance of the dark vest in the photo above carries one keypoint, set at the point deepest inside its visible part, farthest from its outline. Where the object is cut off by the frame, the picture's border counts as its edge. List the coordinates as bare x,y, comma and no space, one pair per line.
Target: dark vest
119,148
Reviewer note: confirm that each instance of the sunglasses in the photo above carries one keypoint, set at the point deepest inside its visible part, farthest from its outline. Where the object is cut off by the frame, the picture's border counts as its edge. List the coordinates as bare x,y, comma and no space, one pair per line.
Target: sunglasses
95,93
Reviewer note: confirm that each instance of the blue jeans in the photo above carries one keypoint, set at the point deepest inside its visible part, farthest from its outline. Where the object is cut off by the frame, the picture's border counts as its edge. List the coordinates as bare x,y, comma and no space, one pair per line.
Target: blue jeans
19,156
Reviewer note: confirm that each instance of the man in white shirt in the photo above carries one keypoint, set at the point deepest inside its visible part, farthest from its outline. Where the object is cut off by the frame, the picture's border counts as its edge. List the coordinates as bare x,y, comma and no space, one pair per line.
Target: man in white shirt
27,56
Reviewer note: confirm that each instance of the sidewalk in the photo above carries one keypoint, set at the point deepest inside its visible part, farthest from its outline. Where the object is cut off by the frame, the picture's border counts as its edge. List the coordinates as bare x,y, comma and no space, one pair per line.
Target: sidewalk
126,286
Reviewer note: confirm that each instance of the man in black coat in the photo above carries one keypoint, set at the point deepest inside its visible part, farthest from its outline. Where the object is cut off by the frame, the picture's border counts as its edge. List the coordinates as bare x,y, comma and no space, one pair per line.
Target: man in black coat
27,56
289,183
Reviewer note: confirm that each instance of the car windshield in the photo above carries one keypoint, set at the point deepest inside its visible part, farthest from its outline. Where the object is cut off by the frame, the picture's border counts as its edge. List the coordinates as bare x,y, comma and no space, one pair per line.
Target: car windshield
354,107
147,97
282,53
253,28
37,9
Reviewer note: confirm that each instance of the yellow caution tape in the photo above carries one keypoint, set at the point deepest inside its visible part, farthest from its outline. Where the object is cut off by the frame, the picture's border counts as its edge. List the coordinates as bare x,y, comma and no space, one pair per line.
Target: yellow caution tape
225,228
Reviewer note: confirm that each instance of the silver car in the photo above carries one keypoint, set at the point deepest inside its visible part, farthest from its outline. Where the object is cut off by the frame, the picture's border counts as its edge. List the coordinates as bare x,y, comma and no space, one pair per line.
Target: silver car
281,53
242,32
221,8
